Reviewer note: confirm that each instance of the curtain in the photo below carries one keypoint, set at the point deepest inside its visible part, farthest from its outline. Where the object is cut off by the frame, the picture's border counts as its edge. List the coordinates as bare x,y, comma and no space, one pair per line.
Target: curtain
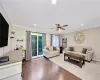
28,55
51,40
44,39
55,41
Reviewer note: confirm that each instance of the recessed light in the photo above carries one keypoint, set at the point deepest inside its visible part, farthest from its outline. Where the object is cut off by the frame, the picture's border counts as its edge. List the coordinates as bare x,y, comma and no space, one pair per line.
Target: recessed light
54,1
34,24
82,24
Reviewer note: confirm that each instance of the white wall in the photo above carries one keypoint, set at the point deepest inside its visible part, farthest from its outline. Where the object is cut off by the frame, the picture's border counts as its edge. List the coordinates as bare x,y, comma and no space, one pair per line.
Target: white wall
48,39
20,33
92,38
7,48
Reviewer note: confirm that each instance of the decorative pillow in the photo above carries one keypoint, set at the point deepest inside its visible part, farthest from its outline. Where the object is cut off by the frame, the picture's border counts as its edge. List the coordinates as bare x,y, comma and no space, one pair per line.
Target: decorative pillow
71,48
48,49
54,48
84,50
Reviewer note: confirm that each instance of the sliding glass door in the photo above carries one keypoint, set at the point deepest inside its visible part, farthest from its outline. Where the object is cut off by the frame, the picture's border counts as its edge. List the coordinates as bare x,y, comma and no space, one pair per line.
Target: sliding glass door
40,46
36,44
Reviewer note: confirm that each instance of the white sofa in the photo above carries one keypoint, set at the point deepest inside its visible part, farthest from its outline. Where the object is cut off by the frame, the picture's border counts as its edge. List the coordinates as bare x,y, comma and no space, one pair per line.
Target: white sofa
78,50
50,52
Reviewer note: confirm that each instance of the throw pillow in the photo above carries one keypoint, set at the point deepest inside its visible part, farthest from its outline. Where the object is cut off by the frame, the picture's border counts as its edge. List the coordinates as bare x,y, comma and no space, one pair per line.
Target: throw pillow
54,48
48,49
84,50
71,48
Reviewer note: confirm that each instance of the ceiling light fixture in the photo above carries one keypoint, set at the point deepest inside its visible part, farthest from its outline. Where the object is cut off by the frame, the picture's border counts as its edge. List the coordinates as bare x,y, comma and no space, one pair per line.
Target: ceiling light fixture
34,24
54,1
82,24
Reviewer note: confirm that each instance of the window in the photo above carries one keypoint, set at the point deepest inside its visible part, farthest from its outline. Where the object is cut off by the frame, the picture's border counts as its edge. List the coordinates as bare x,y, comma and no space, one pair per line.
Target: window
55,41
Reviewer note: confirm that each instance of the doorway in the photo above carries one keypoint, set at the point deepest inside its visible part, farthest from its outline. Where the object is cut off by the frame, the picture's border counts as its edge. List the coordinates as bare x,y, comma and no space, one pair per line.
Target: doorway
37,44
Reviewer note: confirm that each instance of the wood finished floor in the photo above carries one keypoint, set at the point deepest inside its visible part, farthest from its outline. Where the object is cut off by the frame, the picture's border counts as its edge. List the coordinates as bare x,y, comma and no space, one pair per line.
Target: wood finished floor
43,69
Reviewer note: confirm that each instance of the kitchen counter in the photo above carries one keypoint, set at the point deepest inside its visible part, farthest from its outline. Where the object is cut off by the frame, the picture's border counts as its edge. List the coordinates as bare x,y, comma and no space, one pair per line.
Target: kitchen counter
14,56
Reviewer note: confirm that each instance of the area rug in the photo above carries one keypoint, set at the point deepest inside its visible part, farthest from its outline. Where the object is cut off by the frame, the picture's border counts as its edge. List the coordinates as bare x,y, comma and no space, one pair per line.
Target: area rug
89,71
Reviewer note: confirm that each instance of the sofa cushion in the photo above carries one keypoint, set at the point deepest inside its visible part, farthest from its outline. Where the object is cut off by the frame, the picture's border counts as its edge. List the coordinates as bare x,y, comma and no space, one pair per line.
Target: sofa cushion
50,48
71,48
84,50
80,53
78,49
47,49
54,48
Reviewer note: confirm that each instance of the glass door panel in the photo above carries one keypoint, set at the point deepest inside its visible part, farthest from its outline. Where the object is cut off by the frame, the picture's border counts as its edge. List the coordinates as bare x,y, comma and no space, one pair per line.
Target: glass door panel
40,45
34,45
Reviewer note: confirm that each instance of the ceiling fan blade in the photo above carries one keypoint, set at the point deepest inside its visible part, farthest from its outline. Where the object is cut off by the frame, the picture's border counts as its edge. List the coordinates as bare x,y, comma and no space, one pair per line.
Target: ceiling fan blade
62,28
64,25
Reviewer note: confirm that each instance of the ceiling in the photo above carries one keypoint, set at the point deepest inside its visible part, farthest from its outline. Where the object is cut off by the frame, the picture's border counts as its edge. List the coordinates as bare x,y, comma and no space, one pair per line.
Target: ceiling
45,14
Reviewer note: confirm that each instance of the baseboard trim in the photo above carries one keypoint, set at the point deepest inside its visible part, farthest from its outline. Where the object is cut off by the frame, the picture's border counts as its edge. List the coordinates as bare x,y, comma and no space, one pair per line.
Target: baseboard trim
96,60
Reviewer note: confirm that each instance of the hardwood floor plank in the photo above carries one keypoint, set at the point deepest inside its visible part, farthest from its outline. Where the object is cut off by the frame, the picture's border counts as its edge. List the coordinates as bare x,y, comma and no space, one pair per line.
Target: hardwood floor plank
43,69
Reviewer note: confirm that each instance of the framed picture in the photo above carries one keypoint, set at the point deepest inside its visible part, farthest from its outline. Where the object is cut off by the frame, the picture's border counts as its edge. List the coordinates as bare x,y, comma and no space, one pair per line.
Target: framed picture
79,37
64,40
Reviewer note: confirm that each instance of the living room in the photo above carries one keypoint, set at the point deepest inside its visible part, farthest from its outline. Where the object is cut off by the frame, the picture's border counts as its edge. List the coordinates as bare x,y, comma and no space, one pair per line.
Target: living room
53,38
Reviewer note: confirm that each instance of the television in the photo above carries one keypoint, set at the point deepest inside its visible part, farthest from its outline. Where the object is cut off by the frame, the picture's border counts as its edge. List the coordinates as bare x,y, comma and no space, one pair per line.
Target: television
4,31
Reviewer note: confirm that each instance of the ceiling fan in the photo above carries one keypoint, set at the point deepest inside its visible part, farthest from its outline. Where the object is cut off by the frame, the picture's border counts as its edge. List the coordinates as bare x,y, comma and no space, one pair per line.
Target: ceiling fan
59,27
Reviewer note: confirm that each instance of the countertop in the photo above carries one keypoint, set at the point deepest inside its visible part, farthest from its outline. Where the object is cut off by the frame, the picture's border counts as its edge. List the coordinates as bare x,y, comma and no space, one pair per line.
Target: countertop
14,56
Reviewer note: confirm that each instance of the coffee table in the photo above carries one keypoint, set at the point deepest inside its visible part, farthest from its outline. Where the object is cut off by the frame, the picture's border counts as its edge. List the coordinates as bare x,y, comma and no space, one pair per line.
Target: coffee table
80,59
